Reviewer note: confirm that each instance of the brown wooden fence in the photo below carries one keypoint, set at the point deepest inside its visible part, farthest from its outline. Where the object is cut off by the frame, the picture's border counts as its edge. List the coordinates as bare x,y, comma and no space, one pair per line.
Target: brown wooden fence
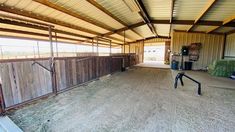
23,80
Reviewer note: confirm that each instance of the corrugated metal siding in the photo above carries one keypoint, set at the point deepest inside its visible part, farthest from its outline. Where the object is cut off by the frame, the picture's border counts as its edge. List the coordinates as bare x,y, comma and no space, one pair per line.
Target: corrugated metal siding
230,46
188,9
222,10
212,46
138,48
158,9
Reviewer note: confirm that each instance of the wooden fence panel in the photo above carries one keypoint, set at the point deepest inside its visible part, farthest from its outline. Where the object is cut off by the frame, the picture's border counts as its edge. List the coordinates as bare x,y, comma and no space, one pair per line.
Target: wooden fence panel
22,81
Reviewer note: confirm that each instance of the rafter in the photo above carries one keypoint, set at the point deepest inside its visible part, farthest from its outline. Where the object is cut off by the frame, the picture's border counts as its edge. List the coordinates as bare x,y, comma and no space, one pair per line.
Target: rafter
225,22
171,17
143,13
46,35
203,13
101,8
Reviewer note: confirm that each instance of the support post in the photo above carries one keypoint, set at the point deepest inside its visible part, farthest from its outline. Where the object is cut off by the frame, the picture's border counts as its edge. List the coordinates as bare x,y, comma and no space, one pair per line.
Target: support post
97,46
110,47
92,45
1,52
38,50
2,102
56,42
124,41
52,64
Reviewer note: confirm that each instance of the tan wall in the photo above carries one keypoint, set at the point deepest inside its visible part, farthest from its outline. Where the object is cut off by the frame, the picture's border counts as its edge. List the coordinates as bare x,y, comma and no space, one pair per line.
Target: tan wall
230,47
137,48
212,46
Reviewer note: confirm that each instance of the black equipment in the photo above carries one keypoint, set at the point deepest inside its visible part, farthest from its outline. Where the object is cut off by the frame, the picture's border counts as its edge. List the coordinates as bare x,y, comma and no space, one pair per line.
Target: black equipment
180,76
185,50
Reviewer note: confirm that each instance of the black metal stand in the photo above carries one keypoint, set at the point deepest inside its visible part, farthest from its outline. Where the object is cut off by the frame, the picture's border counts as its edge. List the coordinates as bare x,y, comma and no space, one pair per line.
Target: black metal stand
180,76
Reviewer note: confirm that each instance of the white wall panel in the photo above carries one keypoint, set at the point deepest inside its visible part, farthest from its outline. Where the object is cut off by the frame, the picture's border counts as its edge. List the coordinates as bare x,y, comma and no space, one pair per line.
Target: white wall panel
212,46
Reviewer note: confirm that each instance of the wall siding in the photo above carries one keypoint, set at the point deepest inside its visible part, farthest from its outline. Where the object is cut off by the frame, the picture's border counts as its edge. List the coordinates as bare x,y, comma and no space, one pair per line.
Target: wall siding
212,46
230,47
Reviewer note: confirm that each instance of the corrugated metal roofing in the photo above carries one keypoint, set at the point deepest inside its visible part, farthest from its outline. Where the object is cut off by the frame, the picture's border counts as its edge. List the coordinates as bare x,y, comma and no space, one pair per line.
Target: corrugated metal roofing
158,9
203,28
222,10
181,27
121,10
225,29
188,9
162,29
87,10
144,31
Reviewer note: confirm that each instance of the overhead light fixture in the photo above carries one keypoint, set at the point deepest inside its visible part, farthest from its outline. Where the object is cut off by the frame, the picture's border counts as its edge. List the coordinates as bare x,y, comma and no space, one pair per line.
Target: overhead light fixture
131,4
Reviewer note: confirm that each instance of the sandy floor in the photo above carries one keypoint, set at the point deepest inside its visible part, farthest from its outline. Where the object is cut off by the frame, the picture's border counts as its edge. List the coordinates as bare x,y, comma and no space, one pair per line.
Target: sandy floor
140,99
154,64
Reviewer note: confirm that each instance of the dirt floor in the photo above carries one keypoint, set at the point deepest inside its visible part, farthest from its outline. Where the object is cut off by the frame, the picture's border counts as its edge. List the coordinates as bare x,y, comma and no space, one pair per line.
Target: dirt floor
154,64
140,99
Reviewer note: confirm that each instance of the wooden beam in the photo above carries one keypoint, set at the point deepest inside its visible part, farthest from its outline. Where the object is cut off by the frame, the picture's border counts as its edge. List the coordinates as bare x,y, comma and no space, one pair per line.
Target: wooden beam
124,29
101,8
225,22
46,36
45,19
144,14
162,37
171,17
203,13
228,20
230,32
29,25
197,32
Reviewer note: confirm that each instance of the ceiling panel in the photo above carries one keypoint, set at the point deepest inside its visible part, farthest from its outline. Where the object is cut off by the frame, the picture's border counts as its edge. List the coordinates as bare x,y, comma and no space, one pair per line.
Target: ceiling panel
158,9
188,9
223,9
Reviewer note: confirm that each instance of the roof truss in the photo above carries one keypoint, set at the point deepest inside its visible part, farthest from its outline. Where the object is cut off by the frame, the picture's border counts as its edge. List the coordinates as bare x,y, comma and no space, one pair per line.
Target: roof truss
203,13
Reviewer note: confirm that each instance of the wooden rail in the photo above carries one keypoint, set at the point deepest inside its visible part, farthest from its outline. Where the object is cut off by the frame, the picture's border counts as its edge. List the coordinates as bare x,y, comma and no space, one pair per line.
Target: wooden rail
21,82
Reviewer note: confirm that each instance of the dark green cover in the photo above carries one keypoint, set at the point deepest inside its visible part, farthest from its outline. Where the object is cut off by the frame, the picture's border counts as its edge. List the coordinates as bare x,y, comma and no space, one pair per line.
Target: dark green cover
222,68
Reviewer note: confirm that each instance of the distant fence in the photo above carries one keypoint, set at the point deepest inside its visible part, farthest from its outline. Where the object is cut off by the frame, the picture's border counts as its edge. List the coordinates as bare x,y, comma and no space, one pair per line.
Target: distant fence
22,80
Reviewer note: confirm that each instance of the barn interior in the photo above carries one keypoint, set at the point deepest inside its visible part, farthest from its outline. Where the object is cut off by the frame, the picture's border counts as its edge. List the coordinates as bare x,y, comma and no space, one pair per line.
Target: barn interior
117,65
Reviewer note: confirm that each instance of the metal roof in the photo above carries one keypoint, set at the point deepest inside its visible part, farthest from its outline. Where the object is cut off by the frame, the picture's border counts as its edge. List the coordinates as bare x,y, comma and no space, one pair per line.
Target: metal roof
118,16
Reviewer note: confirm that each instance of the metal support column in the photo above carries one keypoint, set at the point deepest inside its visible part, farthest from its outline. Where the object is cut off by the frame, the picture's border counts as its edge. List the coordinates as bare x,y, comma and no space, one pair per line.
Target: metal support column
110,47
92,45
124,41
52,64
1,52
38,49
97,45
57,53
51,44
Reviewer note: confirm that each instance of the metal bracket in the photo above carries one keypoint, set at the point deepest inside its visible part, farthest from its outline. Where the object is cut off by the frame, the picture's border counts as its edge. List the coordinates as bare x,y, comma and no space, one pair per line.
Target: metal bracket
180,76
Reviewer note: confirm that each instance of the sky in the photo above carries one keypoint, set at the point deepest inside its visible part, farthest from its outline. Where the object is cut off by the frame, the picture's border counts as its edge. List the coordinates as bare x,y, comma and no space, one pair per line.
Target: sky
30,46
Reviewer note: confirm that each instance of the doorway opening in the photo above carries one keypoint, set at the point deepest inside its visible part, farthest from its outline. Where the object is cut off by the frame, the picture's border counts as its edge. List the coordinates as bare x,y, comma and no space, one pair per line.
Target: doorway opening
155,55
